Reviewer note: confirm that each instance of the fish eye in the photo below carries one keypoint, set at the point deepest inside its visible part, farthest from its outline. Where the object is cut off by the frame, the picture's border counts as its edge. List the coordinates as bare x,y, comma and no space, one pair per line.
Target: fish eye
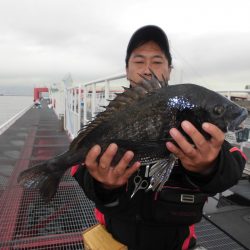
218,110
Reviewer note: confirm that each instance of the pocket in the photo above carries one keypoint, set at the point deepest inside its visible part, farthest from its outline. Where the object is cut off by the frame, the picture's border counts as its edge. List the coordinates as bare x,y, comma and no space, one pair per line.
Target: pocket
178,207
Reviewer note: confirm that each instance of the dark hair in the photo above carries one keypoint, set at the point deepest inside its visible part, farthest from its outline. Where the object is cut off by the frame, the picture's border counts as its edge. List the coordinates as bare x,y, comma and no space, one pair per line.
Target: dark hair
146,34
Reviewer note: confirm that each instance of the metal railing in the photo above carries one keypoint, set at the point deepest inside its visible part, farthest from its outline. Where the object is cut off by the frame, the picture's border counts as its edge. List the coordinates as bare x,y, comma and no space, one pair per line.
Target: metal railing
236,94
83,102
80,104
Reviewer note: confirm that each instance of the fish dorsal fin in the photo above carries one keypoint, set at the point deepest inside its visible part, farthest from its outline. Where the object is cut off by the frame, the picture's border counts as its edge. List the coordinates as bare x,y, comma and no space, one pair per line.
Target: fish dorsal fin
121,101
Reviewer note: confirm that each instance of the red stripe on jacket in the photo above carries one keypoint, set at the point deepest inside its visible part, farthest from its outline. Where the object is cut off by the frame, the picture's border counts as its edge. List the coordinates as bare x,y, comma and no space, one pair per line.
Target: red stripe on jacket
74,169
234,149
191,235
99,216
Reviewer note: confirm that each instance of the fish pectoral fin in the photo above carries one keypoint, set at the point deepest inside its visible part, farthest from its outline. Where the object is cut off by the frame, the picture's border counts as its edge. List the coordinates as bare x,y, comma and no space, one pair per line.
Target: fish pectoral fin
160,172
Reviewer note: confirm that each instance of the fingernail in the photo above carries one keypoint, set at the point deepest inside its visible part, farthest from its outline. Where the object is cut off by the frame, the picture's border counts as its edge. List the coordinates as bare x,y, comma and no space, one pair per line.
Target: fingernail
113,146
205,125
168,144
173,132
97,147
138,164
185,124
130,154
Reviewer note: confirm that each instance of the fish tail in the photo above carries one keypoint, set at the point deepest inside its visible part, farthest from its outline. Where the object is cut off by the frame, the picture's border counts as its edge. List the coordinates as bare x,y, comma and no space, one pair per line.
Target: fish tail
44,177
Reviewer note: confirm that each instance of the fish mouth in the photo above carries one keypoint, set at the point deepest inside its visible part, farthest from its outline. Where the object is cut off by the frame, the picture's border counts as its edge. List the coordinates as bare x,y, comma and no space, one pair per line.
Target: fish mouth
236,124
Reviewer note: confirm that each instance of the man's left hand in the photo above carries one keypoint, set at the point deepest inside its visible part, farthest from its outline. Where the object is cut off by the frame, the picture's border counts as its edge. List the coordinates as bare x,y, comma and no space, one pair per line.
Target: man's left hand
201,156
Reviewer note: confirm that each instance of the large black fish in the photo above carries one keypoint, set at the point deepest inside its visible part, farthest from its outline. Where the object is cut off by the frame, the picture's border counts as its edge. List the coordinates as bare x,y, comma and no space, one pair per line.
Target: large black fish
139,119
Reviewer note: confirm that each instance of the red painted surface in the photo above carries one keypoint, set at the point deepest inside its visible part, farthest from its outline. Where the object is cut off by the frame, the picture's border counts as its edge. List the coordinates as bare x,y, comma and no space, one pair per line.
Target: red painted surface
37,92
48,242
10,206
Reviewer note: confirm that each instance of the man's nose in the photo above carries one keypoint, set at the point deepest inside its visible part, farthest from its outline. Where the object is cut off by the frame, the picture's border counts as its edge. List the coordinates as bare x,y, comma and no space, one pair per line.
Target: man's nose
147,71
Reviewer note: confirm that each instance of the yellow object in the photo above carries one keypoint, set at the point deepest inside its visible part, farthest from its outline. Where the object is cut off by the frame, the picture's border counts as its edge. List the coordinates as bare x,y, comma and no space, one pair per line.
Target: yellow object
97,238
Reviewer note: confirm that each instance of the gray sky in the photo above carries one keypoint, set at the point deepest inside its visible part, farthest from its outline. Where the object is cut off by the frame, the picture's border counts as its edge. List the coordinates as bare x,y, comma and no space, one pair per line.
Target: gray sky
42,40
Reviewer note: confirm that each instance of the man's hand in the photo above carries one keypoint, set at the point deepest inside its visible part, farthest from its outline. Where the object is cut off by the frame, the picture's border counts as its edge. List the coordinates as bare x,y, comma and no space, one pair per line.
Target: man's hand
110,176
201,156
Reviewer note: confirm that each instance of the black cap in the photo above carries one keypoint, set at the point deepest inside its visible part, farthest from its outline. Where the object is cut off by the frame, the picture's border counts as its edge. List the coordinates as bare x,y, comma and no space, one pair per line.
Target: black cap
149,33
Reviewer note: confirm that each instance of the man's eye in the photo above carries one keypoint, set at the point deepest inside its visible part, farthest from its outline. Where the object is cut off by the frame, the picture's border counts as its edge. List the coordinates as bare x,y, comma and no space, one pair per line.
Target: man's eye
139,62
157,62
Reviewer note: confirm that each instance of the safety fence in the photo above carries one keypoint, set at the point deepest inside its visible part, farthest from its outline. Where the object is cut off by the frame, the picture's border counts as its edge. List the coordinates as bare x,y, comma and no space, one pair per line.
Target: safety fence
79,105
84,101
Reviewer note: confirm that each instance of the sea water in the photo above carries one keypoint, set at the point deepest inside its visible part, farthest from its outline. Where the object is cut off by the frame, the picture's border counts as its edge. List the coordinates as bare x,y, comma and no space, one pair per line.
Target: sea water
11,105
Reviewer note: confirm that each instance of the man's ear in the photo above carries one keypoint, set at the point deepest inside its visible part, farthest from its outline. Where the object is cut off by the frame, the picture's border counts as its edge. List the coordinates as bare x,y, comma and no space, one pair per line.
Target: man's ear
127,71
169,72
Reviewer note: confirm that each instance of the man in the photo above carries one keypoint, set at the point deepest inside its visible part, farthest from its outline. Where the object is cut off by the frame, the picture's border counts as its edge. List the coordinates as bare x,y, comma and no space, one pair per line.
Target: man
162,220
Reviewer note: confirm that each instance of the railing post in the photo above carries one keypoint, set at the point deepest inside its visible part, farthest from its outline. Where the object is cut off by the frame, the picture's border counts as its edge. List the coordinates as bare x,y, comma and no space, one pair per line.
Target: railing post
79,107
107,85
93,100
65,109
84,105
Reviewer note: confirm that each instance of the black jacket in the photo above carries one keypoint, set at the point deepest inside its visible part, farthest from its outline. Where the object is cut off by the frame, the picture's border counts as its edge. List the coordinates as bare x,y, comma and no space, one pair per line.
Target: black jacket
161,220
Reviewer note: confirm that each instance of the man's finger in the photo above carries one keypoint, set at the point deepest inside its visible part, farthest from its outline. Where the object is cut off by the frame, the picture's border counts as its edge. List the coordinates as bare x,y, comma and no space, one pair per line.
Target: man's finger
91,157
131,170
107,157
123,163
175,150
217,136
198,139
183,144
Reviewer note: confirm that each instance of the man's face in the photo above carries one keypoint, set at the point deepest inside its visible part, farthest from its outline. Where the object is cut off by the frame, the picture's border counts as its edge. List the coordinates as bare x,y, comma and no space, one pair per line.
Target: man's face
147,56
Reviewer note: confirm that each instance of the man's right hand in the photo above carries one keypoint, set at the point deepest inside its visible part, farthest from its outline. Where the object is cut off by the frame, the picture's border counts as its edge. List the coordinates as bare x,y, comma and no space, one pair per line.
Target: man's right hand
110,176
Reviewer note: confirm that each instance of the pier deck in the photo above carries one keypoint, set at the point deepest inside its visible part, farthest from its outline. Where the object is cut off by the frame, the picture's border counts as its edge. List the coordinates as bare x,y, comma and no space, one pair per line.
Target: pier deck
26,222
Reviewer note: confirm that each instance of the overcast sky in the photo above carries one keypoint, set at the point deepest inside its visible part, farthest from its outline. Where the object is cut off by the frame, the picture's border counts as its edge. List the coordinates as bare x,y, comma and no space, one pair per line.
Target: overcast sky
43,40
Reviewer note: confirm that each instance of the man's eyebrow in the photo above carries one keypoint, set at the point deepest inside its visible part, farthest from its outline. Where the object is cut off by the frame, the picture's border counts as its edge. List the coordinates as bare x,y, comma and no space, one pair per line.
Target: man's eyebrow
158,56
142,56
138,55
